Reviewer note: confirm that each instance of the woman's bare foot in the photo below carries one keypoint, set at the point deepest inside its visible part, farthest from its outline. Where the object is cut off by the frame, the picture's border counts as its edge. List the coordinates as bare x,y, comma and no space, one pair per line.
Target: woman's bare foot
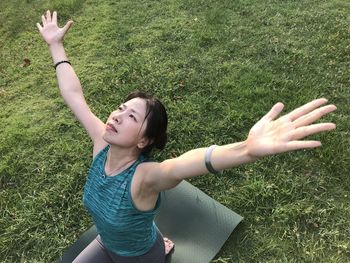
169,245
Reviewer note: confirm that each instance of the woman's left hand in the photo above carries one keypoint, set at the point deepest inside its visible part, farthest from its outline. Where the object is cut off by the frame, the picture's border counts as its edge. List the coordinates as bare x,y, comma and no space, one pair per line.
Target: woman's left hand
270,136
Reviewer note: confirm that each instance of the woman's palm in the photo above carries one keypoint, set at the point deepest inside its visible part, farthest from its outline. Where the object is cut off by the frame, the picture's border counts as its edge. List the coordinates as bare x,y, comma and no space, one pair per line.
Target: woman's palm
52,33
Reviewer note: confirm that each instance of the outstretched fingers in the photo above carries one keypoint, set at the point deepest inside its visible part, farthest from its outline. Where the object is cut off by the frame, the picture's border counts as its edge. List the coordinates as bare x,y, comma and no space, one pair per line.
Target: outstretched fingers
39,27
302,132
43,20
48,16
46,19
297,145
54,17
305,109
314,115
274,112
67,26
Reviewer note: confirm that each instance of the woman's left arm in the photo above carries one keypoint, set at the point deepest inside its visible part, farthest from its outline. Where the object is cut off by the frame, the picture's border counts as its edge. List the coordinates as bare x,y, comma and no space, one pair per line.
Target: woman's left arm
268,136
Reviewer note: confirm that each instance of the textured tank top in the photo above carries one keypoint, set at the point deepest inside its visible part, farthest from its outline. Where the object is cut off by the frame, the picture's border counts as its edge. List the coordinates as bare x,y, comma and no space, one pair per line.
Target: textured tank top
123,228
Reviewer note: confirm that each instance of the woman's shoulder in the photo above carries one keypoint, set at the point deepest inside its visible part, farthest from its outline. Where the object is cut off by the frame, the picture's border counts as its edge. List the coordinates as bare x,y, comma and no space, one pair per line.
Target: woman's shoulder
143,169
146,164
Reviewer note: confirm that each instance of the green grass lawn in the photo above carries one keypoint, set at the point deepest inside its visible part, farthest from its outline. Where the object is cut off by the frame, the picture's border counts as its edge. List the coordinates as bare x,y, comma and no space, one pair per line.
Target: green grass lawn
218,66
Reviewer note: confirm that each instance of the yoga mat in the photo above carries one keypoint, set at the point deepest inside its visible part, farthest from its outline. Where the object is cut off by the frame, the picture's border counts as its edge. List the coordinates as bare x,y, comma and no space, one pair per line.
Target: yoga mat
196,223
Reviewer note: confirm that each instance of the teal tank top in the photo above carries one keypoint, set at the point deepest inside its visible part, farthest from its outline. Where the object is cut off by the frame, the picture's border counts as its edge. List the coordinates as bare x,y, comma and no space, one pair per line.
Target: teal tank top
123,228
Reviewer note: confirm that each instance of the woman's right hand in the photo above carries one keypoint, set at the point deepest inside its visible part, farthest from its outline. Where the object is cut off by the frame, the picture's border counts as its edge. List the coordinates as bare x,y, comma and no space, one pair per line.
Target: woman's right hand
49,29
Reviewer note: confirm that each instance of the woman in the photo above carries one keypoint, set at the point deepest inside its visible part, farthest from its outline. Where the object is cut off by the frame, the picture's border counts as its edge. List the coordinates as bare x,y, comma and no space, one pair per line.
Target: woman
122,189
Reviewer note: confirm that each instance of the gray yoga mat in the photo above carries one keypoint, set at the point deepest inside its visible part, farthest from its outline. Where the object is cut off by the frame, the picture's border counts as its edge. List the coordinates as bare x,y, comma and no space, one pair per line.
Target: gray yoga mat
198,225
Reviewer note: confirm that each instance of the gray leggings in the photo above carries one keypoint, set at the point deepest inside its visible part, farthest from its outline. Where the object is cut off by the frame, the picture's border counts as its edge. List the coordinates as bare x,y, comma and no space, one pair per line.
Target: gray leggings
96,252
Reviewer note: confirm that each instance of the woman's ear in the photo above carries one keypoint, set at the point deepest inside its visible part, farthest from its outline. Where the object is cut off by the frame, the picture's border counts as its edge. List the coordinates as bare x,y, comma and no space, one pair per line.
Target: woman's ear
144,142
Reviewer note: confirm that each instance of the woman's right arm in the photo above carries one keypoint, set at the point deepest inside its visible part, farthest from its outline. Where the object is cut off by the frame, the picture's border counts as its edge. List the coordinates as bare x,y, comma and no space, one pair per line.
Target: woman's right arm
68,81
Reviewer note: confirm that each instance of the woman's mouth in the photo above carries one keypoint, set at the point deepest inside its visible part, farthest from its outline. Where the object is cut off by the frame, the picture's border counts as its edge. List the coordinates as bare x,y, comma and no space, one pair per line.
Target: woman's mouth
110,127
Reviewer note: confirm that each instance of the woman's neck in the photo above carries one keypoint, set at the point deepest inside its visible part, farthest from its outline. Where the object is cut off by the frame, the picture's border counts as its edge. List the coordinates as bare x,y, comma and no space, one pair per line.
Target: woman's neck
118,159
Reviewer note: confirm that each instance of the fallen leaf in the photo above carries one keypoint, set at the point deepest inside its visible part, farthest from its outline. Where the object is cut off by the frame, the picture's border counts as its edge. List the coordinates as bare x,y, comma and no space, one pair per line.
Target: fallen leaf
26,63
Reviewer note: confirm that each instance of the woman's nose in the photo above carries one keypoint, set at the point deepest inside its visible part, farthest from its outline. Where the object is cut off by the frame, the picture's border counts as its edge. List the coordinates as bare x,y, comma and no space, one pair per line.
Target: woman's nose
116,118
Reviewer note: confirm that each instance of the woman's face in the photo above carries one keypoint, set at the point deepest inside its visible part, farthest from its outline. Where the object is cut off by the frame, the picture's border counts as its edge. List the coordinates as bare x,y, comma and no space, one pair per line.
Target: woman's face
126,125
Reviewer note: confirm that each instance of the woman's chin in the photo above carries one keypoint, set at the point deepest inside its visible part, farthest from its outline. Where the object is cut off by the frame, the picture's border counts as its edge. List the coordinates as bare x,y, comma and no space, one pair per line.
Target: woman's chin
107,137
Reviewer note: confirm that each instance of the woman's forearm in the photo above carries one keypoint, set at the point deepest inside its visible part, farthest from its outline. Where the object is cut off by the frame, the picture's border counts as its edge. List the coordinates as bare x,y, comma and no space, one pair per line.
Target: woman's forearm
68,81
192,163
231,155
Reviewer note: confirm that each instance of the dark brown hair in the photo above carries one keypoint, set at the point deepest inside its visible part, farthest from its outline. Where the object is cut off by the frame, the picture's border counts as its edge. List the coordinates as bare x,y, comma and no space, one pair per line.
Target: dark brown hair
157,121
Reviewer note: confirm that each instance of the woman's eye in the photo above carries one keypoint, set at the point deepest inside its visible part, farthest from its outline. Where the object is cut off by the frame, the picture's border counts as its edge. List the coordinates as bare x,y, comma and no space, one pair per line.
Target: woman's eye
132,116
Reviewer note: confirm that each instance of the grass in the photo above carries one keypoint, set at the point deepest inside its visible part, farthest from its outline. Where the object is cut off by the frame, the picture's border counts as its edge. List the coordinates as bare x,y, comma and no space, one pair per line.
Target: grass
218,66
